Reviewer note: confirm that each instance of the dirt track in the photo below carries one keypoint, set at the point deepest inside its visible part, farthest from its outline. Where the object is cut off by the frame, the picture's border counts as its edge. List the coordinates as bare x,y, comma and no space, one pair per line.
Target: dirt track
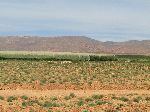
39,93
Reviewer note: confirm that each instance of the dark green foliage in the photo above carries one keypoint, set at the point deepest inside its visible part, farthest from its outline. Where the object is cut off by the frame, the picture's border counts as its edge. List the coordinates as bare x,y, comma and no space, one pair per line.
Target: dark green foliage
74,57
102,58
133,58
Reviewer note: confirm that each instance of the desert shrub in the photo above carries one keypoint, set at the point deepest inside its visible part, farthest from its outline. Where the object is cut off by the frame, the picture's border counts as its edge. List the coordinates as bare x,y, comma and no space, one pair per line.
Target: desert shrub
80,103
50,111
11,98
137,99
96,96
24,104
123,99
99,102
114,97
1,98
53,98
24,97
30,103
88,99
85,111
31,110
50,104
147,98
72,95
91,104
43,81
67,97
119,106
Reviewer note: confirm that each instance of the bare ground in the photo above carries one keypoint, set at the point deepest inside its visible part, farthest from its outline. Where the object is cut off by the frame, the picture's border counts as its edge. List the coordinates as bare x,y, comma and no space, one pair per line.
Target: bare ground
39,93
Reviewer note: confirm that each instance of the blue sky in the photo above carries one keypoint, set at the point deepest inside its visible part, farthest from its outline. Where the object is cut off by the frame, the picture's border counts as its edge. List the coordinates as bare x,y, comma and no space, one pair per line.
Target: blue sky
105,20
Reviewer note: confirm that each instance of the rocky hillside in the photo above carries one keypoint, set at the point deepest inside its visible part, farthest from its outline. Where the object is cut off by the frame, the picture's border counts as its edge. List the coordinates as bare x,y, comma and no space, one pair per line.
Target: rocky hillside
73,44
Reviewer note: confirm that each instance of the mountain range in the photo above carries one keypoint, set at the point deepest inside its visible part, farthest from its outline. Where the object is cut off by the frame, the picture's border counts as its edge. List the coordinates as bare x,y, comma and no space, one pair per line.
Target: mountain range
80,44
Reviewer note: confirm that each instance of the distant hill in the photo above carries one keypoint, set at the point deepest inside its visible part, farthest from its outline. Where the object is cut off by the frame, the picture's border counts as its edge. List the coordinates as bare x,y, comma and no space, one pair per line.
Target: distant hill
73,44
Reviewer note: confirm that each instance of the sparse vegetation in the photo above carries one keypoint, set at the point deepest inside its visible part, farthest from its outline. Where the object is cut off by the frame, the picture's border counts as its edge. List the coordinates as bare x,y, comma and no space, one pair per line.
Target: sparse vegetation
75,72
79,103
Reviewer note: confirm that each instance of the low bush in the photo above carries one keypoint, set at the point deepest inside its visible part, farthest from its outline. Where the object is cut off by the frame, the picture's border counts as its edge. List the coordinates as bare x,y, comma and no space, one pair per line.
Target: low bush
137,99
80,103
11,98
96,96
24,97
1,98
123,99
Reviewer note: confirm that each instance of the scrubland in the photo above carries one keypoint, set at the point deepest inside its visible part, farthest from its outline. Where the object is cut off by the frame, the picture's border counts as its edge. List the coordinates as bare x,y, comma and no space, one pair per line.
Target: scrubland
74,82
